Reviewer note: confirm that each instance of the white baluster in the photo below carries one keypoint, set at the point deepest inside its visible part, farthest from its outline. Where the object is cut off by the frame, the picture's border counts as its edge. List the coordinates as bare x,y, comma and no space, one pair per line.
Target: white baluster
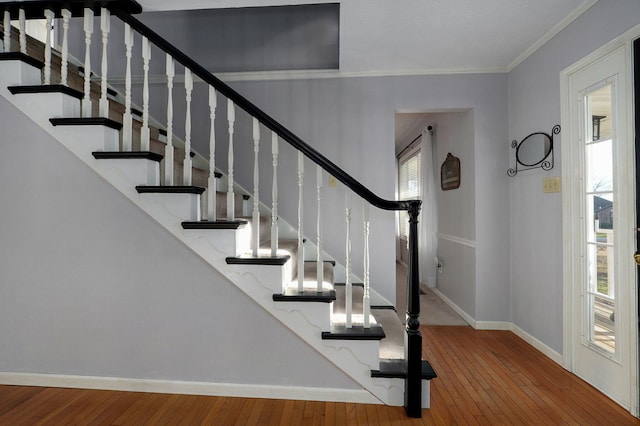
274,195
300,224
64,65
319,262
186,165
88,31
366,304
23,31
105,27
49,15
231,117
6,25
348,288
168,149
256,187
127,119
213,182
145,137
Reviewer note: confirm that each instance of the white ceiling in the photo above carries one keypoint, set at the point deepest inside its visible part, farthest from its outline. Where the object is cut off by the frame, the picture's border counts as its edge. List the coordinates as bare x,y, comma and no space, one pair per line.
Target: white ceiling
428,36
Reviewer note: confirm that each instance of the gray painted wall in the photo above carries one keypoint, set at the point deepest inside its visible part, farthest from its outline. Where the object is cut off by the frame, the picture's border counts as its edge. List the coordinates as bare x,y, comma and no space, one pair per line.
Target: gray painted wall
534,105
90,285
351,121
456,210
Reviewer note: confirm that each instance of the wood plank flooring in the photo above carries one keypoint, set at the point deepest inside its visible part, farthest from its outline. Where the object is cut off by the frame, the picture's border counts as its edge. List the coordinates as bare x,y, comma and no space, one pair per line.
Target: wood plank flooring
484,378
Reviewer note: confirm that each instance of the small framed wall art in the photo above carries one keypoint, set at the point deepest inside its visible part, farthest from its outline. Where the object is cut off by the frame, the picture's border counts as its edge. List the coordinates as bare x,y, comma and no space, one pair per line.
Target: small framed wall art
450,173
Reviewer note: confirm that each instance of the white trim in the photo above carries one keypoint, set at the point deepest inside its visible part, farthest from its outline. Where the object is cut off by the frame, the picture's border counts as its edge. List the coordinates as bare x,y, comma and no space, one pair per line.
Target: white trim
568,358
308,75
465,316
493,325
550,34
546,350
360,396
502,325
457,240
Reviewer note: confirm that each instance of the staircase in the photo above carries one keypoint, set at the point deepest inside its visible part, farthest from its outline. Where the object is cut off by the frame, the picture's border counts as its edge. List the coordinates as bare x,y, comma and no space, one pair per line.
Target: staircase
273,263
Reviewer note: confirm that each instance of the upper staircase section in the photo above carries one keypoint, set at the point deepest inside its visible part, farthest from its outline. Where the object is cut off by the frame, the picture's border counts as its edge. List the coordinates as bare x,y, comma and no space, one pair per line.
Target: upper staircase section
91,110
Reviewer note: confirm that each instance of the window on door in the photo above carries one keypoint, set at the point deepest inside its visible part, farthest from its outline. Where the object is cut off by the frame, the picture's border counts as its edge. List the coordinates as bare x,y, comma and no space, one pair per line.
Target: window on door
600,301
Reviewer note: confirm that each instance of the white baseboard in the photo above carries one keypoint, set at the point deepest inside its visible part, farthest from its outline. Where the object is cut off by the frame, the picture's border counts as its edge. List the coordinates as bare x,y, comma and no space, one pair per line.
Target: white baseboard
555,356
493,325
465,316
189,388
502,325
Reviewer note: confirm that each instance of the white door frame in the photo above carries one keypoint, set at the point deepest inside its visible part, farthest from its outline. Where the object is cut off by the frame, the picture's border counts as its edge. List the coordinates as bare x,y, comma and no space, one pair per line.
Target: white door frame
625,41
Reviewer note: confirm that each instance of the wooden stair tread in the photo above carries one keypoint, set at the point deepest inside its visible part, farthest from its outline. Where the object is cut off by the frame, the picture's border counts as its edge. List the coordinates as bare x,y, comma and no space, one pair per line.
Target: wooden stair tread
249,259
123,155
42,88
86,121
214,224
293,295
19,56
357,332
397,369
182,189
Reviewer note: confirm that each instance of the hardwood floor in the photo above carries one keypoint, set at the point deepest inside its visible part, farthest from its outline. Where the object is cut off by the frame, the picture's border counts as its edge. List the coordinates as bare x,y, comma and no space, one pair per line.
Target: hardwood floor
484,377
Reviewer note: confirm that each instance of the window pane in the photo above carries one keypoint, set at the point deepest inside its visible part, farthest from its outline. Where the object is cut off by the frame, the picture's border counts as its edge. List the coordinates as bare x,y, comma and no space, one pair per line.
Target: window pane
600,166
603,320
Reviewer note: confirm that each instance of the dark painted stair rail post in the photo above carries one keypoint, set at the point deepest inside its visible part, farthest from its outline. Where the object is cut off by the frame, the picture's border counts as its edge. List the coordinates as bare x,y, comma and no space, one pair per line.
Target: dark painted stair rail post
413,381
412,367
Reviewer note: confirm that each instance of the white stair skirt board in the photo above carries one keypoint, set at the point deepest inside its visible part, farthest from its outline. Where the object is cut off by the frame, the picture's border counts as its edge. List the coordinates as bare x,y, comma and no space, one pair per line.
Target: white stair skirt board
17,73
225,242
355,358
267,279
185,206
53,105
367,351
395,384
140,171
317,313
360,396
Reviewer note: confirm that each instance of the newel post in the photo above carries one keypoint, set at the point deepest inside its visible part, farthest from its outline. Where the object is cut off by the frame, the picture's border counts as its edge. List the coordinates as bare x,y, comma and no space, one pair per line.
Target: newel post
413,347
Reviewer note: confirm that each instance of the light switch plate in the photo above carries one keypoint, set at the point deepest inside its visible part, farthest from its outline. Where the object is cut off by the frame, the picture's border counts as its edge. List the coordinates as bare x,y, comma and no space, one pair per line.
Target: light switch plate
551,184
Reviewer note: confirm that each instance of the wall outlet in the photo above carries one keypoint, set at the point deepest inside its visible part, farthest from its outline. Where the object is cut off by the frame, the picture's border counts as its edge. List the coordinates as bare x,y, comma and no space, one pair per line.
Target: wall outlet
551,184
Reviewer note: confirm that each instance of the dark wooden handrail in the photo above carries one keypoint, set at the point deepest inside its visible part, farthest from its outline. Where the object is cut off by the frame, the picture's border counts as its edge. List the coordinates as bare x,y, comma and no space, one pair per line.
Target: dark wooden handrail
263,117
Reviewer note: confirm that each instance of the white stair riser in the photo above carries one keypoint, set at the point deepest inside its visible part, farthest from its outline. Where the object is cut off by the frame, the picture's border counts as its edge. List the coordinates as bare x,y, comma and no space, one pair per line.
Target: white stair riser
90,138
53,105
17,73
139,171
182,206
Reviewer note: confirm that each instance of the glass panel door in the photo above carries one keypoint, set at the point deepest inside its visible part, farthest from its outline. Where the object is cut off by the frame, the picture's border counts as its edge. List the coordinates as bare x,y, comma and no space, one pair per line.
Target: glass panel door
599,295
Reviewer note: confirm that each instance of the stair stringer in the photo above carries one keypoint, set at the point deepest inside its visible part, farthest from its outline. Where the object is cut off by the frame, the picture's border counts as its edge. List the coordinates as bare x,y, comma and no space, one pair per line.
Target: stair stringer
355,358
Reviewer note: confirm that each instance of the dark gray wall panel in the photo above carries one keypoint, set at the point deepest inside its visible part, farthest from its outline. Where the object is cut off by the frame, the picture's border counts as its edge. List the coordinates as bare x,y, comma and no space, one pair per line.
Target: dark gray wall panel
254,39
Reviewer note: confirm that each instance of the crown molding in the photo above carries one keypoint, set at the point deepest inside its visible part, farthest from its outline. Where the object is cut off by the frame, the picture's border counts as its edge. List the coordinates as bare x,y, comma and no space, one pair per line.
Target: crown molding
550,34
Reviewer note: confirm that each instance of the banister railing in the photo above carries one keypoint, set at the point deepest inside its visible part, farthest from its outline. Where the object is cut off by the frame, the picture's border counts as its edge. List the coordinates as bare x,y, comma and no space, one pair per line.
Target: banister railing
123,9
